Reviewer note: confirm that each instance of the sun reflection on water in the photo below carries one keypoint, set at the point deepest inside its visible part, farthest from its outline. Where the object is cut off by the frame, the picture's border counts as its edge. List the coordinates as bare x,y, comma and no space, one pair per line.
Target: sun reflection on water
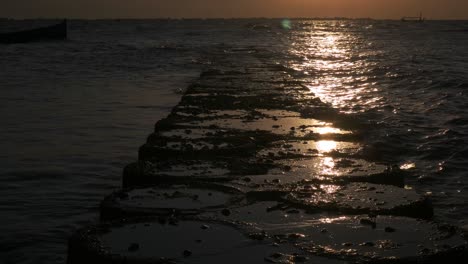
330,130
335,56
329,188
327,166
325,146
408,166
332,220
338,66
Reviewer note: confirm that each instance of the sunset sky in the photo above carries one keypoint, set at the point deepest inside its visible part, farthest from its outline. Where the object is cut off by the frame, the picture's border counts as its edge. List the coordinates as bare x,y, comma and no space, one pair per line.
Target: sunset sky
432,9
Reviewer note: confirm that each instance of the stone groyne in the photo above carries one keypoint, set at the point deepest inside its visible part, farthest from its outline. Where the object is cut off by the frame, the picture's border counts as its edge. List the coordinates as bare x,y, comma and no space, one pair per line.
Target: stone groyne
250,167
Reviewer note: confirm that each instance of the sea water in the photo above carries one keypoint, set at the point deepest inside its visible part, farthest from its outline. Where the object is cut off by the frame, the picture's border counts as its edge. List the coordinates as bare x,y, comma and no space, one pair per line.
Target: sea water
74,113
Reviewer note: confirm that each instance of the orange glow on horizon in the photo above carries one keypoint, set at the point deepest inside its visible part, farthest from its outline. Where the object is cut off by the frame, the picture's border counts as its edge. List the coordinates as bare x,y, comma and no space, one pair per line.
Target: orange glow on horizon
380,9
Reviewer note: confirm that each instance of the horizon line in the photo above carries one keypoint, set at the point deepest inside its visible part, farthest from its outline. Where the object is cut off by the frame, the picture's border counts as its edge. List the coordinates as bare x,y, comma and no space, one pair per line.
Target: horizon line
226,18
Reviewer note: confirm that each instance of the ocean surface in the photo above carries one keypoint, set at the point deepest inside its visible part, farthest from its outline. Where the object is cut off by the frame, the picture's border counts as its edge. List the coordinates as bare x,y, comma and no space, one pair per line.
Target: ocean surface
74,113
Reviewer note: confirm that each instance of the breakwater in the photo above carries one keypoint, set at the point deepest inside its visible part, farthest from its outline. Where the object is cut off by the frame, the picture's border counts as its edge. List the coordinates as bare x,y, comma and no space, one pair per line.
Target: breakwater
251,167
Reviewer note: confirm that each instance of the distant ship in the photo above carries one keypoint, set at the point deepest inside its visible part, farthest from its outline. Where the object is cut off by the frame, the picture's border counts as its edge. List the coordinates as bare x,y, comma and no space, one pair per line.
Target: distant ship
413,19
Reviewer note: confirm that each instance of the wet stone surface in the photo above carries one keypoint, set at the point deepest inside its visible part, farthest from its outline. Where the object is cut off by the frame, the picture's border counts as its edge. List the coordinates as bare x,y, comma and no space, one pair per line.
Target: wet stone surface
329,169
352,198
309,148
268,173
363,198
145,173
285,126
181,241
369,239
360,238
169,200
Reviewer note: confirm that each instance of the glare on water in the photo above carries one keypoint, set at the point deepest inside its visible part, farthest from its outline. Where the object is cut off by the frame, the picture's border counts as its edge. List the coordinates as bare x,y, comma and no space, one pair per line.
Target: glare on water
338,70
324,146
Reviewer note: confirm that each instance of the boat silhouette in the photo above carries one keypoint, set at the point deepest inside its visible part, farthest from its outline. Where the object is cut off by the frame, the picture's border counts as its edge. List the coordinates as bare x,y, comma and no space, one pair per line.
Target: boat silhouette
420,18
49,33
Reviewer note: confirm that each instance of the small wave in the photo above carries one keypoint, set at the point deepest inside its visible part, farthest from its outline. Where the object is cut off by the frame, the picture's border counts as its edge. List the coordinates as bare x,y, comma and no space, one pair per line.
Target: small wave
33,175
457,121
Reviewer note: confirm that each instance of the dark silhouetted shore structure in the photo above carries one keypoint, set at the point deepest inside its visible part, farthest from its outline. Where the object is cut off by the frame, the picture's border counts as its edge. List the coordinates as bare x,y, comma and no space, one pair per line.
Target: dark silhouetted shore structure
49,33
413,19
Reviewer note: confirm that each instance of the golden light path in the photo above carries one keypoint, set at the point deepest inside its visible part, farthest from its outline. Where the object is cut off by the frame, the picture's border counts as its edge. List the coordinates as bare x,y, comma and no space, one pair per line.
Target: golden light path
332,220
327,165
330,130
325,146
333,54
